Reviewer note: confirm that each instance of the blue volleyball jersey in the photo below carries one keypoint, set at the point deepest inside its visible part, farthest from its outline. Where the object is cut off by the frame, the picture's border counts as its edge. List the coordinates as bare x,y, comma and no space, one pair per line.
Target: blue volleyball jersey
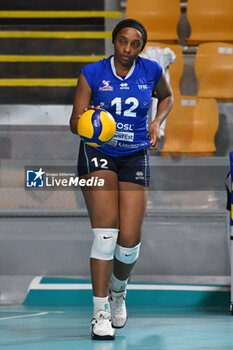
127,99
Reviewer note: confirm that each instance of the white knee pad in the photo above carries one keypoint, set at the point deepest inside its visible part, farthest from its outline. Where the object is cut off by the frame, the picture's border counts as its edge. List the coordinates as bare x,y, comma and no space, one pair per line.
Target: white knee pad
127,255
104,243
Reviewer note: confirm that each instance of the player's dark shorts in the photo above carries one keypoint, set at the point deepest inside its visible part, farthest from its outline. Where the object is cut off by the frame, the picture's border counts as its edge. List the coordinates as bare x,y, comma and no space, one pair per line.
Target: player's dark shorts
133,168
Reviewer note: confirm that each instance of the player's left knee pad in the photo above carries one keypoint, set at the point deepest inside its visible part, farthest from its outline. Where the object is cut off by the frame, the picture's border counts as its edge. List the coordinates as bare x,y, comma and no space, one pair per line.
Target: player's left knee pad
127,255
104,243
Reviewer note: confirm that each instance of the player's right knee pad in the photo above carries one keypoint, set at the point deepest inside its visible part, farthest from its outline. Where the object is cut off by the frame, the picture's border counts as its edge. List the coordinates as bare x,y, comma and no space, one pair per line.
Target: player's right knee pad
104,243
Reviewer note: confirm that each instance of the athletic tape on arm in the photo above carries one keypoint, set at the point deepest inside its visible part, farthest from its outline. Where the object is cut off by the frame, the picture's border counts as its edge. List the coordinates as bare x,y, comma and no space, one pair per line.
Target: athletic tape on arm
104,243
127,255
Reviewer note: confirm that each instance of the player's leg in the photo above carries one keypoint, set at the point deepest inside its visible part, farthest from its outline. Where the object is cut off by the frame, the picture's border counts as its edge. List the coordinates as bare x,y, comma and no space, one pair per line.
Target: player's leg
102,205
134,180
133,198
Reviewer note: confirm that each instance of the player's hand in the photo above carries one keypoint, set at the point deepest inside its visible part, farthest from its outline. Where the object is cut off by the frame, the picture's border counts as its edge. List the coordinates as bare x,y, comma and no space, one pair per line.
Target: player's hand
84,110
89,107
77,117
154,135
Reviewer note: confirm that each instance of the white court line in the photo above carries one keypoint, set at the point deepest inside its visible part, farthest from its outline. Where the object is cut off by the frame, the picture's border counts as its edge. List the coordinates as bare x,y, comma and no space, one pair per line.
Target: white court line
24,311
23,316
179,287
61,286
67,286
36,285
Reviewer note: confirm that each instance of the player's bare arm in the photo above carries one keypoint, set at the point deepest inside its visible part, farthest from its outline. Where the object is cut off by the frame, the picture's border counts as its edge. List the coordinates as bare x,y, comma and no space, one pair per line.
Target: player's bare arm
82,100
163,93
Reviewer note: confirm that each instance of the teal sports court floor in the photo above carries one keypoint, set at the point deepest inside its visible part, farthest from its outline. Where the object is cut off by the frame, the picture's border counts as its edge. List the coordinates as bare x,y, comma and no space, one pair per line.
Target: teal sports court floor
58,328
161,317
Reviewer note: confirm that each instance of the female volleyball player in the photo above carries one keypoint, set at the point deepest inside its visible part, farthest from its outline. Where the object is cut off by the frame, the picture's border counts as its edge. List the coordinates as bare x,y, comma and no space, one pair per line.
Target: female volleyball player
122,84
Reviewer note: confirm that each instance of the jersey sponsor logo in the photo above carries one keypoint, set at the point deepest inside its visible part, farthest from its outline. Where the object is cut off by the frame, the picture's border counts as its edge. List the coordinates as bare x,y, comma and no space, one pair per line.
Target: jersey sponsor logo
106,86
145,105
141,81
143,87
139,175
124,136
124,86
125,127
112,143
131,146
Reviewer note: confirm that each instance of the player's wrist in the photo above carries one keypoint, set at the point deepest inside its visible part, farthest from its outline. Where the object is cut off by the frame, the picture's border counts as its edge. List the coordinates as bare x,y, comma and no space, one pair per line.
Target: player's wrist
156,123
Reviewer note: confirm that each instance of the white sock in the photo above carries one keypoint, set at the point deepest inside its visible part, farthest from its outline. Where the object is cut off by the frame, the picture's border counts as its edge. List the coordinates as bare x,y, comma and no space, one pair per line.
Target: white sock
118,285
101,304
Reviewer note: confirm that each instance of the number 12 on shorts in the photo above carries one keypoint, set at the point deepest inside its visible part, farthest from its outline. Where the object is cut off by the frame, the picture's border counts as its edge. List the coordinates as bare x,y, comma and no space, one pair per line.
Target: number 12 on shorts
100,163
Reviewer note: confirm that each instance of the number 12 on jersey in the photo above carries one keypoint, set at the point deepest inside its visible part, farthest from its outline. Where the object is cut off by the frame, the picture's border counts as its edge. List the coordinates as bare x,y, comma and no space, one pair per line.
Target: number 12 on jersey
129,101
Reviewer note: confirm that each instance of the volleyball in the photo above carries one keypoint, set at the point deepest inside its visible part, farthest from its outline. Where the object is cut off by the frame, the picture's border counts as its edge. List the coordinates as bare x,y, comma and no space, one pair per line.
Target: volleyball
96,127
